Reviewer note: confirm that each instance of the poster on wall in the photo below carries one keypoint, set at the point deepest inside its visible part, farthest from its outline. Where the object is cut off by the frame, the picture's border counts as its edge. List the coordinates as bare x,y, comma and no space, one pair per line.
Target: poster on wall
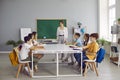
24,32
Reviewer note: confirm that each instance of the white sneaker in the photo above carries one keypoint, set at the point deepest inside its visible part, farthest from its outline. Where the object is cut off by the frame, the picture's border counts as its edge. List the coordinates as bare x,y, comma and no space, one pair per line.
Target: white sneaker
26,69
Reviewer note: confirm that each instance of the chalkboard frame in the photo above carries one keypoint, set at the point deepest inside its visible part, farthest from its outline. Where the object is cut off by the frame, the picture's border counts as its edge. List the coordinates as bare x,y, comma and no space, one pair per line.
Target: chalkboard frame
65,23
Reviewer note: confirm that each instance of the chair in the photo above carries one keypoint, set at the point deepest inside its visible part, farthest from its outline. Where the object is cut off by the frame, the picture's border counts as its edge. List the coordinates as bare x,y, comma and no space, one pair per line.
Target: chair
92,63
21,63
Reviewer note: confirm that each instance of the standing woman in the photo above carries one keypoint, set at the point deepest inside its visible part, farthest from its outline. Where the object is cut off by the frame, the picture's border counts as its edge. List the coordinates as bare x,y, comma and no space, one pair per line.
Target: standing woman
62,35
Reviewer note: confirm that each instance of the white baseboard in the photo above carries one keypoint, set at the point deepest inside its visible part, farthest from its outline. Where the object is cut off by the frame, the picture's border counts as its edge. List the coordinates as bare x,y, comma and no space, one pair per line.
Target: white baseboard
5,52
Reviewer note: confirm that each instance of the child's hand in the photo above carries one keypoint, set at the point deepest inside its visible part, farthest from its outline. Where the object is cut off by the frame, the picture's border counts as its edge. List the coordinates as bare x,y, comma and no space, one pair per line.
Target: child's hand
39,47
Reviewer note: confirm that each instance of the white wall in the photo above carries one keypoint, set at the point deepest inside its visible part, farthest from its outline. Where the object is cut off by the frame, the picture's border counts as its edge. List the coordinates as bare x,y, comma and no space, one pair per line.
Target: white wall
118,9
15,14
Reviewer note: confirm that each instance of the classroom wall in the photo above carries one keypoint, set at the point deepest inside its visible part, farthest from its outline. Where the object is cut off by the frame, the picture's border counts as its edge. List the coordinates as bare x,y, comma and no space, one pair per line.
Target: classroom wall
118,9
15,14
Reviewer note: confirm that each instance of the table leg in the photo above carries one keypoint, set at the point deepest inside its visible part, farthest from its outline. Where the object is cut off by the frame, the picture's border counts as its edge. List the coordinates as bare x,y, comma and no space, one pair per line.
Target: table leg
81,63
57,65
32,66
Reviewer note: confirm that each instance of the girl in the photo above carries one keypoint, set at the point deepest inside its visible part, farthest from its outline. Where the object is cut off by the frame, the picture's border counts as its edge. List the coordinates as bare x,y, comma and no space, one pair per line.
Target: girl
86,39
35,43
36,57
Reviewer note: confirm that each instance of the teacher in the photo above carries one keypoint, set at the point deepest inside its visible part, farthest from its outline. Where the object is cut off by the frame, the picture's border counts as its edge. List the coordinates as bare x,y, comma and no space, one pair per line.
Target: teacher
62,34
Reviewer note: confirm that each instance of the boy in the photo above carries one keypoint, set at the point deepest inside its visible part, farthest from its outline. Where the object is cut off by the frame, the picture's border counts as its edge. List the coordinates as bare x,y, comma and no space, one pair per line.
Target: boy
77,40
77,43
25,50
91,49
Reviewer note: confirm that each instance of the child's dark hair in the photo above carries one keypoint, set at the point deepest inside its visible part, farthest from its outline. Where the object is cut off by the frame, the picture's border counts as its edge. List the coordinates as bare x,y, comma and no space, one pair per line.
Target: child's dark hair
26,38
61,21
78,34
34,33
20,47
30,35
95,35
87,36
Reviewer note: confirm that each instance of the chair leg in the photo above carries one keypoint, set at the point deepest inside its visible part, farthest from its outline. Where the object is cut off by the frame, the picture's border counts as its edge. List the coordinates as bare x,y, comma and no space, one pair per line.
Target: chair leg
22,67
95,68
85,72
91,67
28,69
19,68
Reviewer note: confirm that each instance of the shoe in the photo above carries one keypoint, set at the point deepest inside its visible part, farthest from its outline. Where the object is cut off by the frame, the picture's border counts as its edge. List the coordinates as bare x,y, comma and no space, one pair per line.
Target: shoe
71,63
26,71
66,60
53,59
36,68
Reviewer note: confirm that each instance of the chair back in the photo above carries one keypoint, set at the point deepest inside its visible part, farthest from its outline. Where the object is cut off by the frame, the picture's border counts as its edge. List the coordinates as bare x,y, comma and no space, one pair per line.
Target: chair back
18,55
16,49
100,55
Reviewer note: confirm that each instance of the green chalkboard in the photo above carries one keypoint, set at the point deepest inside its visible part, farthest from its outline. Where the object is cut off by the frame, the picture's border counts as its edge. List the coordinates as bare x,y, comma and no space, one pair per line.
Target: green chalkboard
48,28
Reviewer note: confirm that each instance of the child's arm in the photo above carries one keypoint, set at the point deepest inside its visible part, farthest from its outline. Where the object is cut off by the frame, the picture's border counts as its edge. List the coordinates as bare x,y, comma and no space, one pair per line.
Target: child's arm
91,53
37,47
85,47
75,43
31,48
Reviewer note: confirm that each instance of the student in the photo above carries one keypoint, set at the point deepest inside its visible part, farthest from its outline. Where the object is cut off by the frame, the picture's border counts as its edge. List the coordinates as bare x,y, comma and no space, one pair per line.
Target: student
91,49
35,43
86,39
25,50
36,57
77,43
62,35
34,38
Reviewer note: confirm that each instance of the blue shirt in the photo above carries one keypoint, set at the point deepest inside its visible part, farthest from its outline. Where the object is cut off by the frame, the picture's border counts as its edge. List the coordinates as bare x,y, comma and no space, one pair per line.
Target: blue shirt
79,43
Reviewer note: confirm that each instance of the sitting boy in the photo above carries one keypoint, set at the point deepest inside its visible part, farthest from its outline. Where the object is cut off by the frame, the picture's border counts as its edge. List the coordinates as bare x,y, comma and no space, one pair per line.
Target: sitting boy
91,49
25,50
77,43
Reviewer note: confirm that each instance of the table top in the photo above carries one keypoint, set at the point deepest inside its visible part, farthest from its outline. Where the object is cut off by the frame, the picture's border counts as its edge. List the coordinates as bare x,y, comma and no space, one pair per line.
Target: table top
57,48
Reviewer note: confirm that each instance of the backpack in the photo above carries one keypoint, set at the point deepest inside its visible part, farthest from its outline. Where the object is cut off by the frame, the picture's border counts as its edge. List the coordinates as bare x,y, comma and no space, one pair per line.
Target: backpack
100,55
13,58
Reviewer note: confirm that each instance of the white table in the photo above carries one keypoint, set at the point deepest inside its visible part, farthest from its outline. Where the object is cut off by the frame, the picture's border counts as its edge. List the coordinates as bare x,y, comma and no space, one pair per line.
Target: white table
56,49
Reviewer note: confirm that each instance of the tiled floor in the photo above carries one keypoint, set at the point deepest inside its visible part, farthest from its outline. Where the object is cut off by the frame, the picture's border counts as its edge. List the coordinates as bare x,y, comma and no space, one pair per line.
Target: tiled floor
107,71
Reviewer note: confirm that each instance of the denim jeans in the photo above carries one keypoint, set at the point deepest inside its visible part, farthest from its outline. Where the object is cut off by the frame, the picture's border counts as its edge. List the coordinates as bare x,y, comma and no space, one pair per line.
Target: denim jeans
78,58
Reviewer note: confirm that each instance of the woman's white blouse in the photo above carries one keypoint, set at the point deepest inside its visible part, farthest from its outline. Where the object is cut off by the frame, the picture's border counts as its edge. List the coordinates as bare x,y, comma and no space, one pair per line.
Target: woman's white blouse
62,32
